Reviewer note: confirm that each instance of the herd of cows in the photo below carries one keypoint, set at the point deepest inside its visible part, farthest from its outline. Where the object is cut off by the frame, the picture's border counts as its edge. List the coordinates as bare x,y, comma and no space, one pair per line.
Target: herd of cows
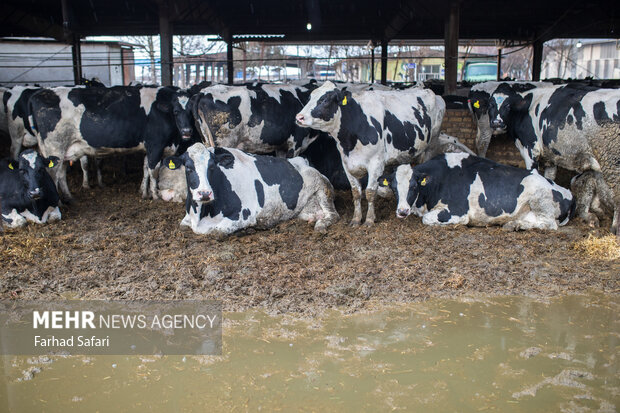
254,155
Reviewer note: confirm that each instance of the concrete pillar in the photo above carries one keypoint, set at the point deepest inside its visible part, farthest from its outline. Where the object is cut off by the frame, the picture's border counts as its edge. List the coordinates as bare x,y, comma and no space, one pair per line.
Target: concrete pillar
165,41
451,48
537,59
384,61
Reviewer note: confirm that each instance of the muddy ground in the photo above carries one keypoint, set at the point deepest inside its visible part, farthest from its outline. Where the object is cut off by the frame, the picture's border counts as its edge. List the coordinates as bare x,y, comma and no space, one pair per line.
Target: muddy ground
111,244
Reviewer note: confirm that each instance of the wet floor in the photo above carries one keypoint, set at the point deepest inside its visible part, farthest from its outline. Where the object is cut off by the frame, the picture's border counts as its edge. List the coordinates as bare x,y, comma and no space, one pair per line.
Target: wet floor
508,354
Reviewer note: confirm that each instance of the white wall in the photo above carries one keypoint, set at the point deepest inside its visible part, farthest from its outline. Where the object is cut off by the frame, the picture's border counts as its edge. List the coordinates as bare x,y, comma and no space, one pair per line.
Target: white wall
50,63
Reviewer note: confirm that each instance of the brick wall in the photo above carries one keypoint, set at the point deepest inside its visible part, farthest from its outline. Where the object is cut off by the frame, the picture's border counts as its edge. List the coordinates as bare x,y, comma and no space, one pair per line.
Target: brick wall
459,123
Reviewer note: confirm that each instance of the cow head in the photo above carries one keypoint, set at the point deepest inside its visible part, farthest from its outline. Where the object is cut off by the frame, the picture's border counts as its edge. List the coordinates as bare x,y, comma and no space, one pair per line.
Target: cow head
503,105
176,103
201,168
323,110
478,103
406,184
32,167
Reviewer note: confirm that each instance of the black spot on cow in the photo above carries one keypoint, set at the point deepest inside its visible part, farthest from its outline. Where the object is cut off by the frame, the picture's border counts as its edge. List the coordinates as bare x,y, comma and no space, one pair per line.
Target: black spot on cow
112,118
401,134
538,108
246,213
5,100
225,200
554,116
44,105
260,193
22,108
278,171
600,113
567,206
355,127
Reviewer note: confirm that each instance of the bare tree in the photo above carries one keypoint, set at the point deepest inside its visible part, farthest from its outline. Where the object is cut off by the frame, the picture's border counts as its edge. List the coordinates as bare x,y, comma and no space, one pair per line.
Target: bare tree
150,45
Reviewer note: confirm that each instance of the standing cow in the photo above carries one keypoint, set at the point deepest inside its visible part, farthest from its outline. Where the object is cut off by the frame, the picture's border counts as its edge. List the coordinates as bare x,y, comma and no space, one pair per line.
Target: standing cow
459,188
229,190
256,118
575,127
373,129
27,192
479,102
73,122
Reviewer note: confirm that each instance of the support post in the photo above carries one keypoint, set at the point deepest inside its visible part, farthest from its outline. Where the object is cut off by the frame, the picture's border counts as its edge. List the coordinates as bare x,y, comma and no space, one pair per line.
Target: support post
372,64
229,59
384,61
499,64
76,56
165,41
451,48
537,59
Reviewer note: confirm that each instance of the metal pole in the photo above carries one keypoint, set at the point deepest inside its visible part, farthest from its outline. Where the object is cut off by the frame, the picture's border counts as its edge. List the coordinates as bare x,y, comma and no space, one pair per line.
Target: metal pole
372,64
537,59
229,60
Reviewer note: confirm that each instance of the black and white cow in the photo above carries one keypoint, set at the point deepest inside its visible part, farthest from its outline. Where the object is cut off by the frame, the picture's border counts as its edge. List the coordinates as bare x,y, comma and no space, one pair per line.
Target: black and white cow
73,122
479,101
27,192
572,126
459,188
256,118
15,101
554,125
229,190
373,129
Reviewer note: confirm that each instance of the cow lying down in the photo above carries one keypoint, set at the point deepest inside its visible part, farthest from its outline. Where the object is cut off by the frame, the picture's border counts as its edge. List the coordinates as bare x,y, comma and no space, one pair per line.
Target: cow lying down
459,188
229,190
27,191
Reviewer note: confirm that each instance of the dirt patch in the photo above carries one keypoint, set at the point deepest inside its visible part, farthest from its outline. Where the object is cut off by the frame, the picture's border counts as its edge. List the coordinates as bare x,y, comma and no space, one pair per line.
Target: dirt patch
111,244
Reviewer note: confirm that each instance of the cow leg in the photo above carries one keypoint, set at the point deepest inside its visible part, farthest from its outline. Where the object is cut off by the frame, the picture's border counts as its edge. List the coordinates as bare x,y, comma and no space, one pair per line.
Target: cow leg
144,186
583,188
84,165
325,197
374,172
99,175
616,222
61,183
550,171
153,175
356,191
16,146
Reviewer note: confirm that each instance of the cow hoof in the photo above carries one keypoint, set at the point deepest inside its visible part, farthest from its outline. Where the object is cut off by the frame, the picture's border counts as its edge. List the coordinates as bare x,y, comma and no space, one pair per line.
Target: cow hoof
369,223
321,227
86,187
354,223
592,221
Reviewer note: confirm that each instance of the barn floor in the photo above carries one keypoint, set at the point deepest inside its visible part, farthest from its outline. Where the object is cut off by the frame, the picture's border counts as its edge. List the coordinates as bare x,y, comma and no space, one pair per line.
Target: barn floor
111,244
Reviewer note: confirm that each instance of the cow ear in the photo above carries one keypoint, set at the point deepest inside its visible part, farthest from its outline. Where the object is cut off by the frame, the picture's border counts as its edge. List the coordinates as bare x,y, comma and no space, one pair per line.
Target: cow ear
173,162
52,161
423,179
164,107
385,180
520,104
223,158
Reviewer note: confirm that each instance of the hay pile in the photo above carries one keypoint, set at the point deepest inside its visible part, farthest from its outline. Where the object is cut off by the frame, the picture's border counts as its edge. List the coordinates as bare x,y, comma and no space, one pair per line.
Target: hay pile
606,247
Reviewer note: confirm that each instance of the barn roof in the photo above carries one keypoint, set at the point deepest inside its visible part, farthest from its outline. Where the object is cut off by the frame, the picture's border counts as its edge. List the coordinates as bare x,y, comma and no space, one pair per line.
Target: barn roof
331,20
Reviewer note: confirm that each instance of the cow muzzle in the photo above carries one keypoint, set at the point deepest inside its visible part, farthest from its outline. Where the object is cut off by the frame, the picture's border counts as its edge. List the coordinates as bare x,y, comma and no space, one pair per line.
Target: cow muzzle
403,212
205,196
498,126
35,194
186,133
301,120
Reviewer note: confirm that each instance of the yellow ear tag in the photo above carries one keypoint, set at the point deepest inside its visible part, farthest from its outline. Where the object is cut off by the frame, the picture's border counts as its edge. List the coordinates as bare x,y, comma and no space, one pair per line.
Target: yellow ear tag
477,104
11,166
423,182
385,182
344,101
171,165
51,165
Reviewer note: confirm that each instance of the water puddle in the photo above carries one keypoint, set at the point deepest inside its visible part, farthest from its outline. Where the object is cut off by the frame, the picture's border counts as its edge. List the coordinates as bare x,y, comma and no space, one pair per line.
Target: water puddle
504,354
